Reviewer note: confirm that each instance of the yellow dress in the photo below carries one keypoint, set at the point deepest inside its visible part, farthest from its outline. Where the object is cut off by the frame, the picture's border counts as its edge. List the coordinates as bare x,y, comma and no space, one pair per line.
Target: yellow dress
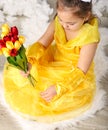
56,66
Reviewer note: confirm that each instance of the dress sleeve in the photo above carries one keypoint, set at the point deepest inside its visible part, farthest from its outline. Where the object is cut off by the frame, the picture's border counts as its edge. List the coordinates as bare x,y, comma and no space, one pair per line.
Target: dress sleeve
74,79
34,52
90,33
92,36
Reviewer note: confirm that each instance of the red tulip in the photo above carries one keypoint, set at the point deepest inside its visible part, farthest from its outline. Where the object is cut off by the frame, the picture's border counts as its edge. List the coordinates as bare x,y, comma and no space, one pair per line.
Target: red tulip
10,34
14,38
6,38
13,52
14,30
2,44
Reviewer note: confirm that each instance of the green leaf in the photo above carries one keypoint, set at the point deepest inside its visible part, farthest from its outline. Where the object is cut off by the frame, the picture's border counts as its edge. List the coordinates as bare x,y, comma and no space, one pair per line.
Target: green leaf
23,56
22,52
20,61
12,61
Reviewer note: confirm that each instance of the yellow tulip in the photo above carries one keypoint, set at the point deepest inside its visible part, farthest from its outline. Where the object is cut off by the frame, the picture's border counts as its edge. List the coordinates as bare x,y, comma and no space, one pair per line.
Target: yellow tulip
21,39
3,34
17,45
9,45
5,28
6,52
1,52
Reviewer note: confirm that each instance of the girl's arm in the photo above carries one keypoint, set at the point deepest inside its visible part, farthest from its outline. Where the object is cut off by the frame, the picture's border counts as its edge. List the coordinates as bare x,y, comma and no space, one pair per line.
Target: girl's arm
35,51
86,56
47,38
78,75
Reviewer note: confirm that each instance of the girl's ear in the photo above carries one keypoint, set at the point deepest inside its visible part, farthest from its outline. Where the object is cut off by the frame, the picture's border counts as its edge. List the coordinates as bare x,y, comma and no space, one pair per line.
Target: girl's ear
88,16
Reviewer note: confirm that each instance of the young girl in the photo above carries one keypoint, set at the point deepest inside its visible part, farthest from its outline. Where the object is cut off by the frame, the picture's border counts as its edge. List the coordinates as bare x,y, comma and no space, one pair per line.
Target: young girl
64,71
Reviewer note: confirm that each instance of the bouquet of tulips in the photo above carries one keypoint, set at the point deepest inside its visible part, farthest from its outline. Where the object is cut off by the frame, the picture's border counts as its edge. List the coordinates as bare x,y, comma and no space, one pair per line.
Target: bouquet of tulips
11,46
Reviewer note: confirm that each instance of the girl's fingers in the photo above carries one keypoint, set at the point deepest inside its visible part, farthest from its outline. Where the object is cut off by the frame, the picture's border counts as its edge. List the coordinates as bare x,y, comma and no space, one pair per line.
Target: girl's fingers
24,74
44,93
47,99
28,72
46,96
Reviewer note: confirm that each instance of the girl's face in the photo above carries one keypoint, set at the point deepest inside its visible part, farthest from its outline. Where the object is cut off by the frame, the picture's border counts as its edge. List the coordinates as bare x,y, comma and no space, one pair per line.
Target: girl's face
69,21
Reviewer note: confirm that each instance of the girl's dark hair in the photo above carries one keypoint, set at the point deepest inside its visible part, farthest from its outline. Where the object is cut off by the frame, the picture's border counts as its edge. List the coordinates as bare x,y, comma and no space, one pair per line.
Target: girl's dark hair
79,8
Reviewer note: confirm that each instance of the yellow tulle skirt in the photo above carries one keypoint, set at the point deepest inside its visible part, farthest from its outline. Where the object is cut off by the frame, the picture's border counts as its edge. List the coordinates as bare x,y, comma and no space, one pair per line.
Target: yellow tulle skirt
26,100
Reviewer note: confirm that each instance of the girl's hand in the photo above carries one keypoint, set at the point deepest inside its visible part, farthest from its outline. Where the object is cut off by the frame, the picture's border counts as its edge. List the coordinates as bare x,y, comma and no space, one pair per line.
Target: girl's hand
49,93
28,72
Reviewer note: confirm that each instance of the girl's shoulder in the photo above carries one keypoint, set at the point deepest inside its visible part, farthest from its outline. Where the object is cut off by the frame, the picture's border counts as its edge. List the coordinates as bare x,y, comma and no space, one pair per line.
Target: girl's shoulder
90,33
92,25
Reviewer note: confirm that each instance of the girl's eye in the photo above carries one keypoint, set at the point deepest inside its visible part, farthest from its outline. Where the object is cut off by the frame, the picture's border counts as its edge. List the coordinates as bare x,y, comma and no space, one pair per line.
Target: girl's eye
71,23
67,23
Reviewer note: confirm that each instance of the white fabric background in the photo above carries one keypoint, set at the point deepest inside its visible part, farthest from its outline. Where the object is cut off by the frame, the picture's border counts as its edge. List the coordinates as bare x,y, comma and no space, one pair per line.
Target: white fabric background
32,18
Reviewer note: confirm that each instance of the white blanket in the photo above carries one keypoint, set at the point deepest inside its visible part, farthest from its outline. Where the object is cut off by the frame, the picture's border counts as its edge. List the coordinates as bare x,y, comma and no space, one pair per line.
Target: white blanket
32,22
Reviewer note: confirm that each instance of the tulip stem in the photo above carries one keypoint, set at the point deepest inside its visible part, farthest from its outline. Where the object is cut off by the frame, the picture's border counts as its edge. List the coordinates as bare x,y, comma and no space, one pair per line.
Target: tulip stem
31,79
